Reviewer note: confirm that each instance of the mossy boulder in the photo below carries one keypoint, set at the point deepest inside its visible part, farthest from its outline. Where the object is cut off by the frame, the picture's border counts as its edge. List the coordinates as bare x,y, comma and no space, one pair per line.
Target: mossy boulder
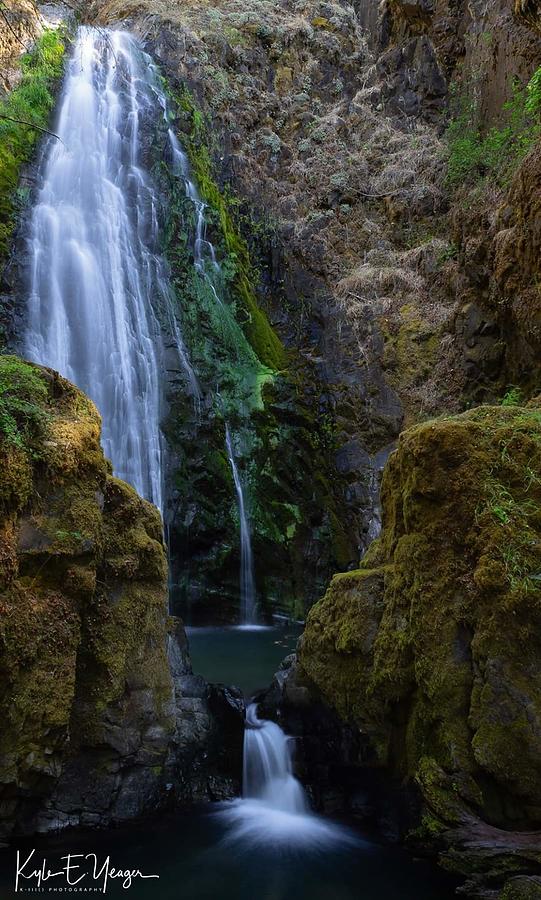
433,647
101,714
522,889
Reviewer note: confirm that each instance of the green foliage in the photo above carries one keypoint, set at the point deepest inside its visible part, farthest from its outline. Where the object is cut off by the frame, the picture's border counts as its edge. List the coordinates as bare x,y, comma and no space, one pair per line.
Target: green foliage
230,341
495,154
31,101
23,394
512,397
240,364
449,252
533,98
259,332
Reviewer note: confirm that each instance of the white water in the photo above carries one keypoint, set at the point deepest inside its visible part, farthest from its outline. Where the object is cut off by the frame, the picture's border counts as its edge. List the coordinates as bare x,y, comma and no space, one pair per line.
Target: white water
268,769
247,581
100,307
203,249
274,810
208,268
99,294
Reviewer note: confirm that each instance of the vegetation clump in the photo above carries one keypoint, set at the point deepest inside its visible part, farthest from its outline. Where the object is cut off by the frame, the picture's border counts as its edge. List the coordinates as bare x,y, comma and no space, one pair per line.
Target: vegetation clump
23,113
239,270
474,154
23,398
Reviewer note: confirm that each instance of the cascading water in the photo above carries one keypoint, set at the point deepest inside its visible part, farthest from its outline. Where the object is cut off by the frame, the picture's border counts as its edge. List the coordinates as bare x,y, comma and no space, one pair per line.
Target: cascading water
209,269
100,305
268,770
274,810
247,582
203,249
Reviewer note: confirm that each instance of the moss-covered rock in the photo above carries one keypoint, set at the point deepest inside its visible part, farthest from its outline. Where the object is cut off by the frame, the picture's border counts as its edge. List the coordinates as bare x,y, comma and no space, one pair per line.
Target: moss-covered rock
432,648
95,726
522,889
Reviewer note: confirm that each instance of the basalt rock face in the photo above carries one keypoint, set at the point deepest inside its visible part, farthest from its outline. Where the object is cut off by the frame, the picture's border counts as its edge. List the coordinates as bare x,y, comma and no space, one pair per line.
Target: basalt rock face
424,45
103,720
440,57
499,312
430,653
386,284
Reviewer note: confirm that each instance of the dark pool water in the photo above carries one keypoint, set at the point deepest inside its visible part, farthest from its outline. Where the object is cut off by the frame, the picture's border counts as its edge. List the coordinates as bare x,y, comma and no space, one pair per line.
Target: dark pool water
201,856
247,658
195,861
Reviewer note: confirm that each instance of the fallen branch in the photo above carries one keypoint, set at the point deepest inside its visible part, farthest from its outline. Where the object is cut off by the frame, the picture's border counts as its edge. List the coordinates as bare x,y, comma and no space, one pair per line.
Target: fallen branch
384,194
32,125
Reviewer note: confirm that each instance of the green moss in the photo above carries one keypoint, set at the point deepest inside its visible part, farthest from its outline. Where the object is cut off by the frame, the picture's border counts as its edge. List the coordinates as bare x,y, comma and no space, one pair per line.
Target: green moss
31,101
431,648
23,396
262,337
83,592
240,362
24,420
429,829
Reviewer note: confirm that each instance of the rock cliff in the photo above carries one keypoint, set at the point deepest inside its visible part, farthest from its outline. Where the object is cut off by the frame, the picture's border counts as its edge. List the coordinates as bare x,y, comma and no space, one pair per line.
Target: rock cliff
430,652
103,720
379,164
402,293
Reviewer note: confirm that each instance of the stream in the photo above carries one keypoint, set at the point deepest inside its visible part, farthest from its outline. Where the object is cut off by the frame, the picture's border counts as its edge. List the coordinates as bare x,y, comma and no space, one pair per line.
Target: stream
256,848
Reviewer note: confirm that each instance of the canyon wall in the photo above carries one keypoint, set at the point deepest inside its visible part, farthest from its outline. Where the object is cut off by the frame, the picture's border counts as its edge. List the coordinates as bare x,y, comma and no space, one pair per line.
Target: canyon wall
379,169
397,292
103,720
431,649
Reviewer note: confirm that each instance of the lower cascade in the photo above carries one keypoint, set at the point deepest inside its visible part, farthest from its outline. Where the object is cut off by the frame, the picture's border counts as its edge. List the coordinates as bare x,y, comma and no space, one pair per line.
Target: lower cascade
268,771
274,810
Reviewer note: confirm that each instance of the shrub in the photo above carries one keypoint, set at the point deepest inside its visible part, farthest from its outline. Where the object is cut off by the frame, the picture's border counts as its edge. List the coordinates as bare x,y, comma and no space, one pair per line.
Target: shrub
474,155
31,101
533,98
512,397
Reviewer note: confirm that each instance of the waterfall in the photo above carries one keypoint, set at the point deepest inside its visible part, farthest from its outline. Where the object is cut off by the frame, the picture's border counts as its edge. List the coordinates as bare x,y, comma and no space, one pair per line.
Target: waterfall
208,268
203,249
100,307
247,582
274,810
100,299
268,769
